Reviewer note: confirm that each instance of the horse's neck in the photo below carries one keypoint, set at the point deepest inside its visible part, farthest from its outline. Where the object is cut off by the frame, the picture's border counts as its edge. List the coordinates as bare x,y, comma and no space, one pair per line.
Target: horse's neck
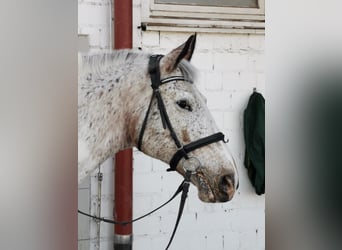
107,116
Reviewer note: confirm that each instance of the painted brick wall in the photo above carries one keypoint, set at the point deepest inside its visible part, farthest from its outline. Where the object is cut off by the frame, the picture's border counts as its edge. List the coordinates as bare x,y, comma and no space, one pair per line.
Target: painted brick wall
230,66
94,20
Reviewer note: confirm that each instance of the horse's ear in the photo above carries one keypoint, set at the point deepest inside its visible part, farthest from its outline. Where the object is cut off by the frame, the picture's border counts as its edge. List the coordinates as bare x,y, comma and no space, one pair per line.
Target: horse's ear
170,61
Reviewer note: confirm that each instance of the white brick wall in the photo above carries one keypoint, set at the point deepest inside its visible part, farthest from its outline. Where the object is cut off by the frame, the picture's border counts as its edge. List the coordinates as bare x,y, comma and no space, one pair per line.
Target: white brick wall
94,20
230,65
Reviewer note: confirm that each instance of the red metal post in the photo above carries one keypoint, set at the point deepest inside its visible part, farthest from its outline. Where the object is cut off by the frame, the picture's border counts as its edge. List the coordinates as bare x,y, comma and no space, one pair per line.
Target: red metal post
122,24
123,160
123,199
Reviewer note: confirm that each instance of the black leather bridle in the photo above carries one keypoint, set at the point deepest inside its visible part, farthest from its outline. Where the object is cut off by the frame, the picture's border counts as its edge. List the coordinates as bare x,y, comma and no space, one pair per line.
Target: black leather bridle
182,150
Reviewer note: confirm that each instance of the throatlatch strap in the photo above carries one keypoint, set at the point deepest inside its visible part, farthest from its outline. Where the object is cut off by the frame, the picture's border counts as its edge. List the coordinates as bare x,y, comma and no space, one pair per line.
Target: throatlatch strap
182,152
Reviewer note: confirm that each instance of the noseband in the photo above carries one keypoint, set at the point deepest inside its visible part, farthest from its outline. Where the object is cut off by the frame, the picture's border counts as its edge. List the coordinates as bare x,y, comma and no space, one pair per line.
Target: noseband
182,150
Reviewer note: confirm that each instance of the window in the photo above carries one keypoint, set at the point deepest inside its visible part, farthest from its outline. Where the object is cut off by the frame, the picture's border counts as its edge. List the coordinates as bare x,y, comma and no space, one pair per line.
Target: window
226,16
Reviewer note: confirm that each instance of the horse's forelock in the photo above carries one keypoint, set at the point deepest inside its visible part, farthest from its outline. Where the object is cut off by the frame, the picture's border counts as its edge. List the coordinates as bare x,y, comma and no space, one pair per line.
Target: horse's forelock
188,70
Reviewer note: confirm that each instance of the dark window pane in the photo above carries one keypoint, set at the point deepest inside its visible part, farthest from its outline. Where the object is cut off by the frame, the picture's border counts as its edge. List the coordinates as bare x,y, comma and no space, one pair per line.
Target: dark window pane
218,3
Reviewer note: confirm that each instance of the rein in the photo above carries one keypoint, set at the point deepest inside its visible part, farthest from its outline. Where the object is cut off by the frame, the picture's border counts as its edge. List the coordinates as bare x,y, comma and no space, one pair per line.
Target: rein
183,188
182,150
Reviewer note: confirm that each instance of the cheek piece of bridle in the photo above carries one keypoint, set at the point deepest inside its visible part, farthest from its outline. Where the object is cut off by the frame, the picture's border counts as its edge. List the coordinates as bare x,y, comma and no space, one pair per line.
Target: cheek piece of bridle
182,150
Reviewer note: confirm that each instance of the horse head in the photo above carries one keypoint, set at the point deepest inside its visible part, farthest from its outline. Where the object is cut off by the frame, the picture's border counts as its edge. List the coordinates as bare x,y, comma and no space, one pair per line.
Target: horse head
214,171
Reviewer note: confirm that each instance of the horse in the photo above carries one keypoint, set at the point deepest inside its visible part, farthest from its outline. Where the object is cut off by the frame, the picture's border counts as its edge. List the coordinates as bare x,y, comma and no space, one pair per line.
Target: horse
115,105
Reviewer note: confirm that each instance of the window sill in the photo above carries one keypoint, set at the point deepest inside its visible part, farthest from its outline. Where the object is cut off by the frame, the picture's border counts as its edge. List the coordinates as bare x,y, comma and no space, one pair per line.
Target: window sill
204,26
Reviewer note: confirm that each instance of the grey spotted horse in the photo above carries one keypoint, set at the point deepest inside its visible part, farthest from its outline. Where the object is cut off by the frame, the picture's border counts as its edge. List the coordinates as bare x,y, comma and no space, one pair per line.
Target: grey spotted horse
118,108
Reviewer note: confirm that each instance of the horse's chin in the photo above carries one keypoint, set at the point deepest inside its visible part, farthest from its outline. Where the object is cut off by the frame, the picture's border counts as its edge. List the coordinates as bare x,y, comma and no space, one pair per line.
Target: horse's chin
205,192
206,196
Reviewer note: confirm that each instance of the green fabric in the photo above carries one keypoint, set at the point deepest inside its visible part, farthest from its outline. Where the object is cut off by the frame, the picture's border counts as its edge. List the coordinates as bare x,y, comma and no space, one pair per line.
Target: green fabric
254,132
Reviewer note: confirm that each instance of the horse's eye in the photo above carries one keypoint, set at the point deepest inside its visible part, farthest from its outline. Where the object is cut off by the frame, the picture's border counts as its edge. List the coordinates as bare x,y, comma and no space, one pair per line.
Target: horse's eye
184,105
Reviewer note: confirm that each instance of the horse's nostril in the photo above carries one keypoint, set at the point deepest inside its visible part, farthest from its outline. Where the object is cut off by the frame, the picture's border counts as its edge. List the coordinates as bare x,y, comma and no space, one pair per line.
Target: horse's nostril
227,181
226,186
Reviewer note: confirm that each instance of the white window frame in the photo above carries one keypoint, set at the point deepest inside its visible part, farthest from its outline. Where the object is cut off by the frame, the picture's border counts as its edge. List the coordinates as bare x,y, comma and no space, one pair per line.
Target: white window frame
176,17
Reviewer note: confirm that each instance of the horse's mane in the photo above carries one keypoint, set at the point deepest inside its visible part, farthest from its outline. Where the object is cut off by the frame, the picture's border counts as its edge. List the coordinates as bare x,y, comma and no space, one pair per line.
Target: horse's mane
102,62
